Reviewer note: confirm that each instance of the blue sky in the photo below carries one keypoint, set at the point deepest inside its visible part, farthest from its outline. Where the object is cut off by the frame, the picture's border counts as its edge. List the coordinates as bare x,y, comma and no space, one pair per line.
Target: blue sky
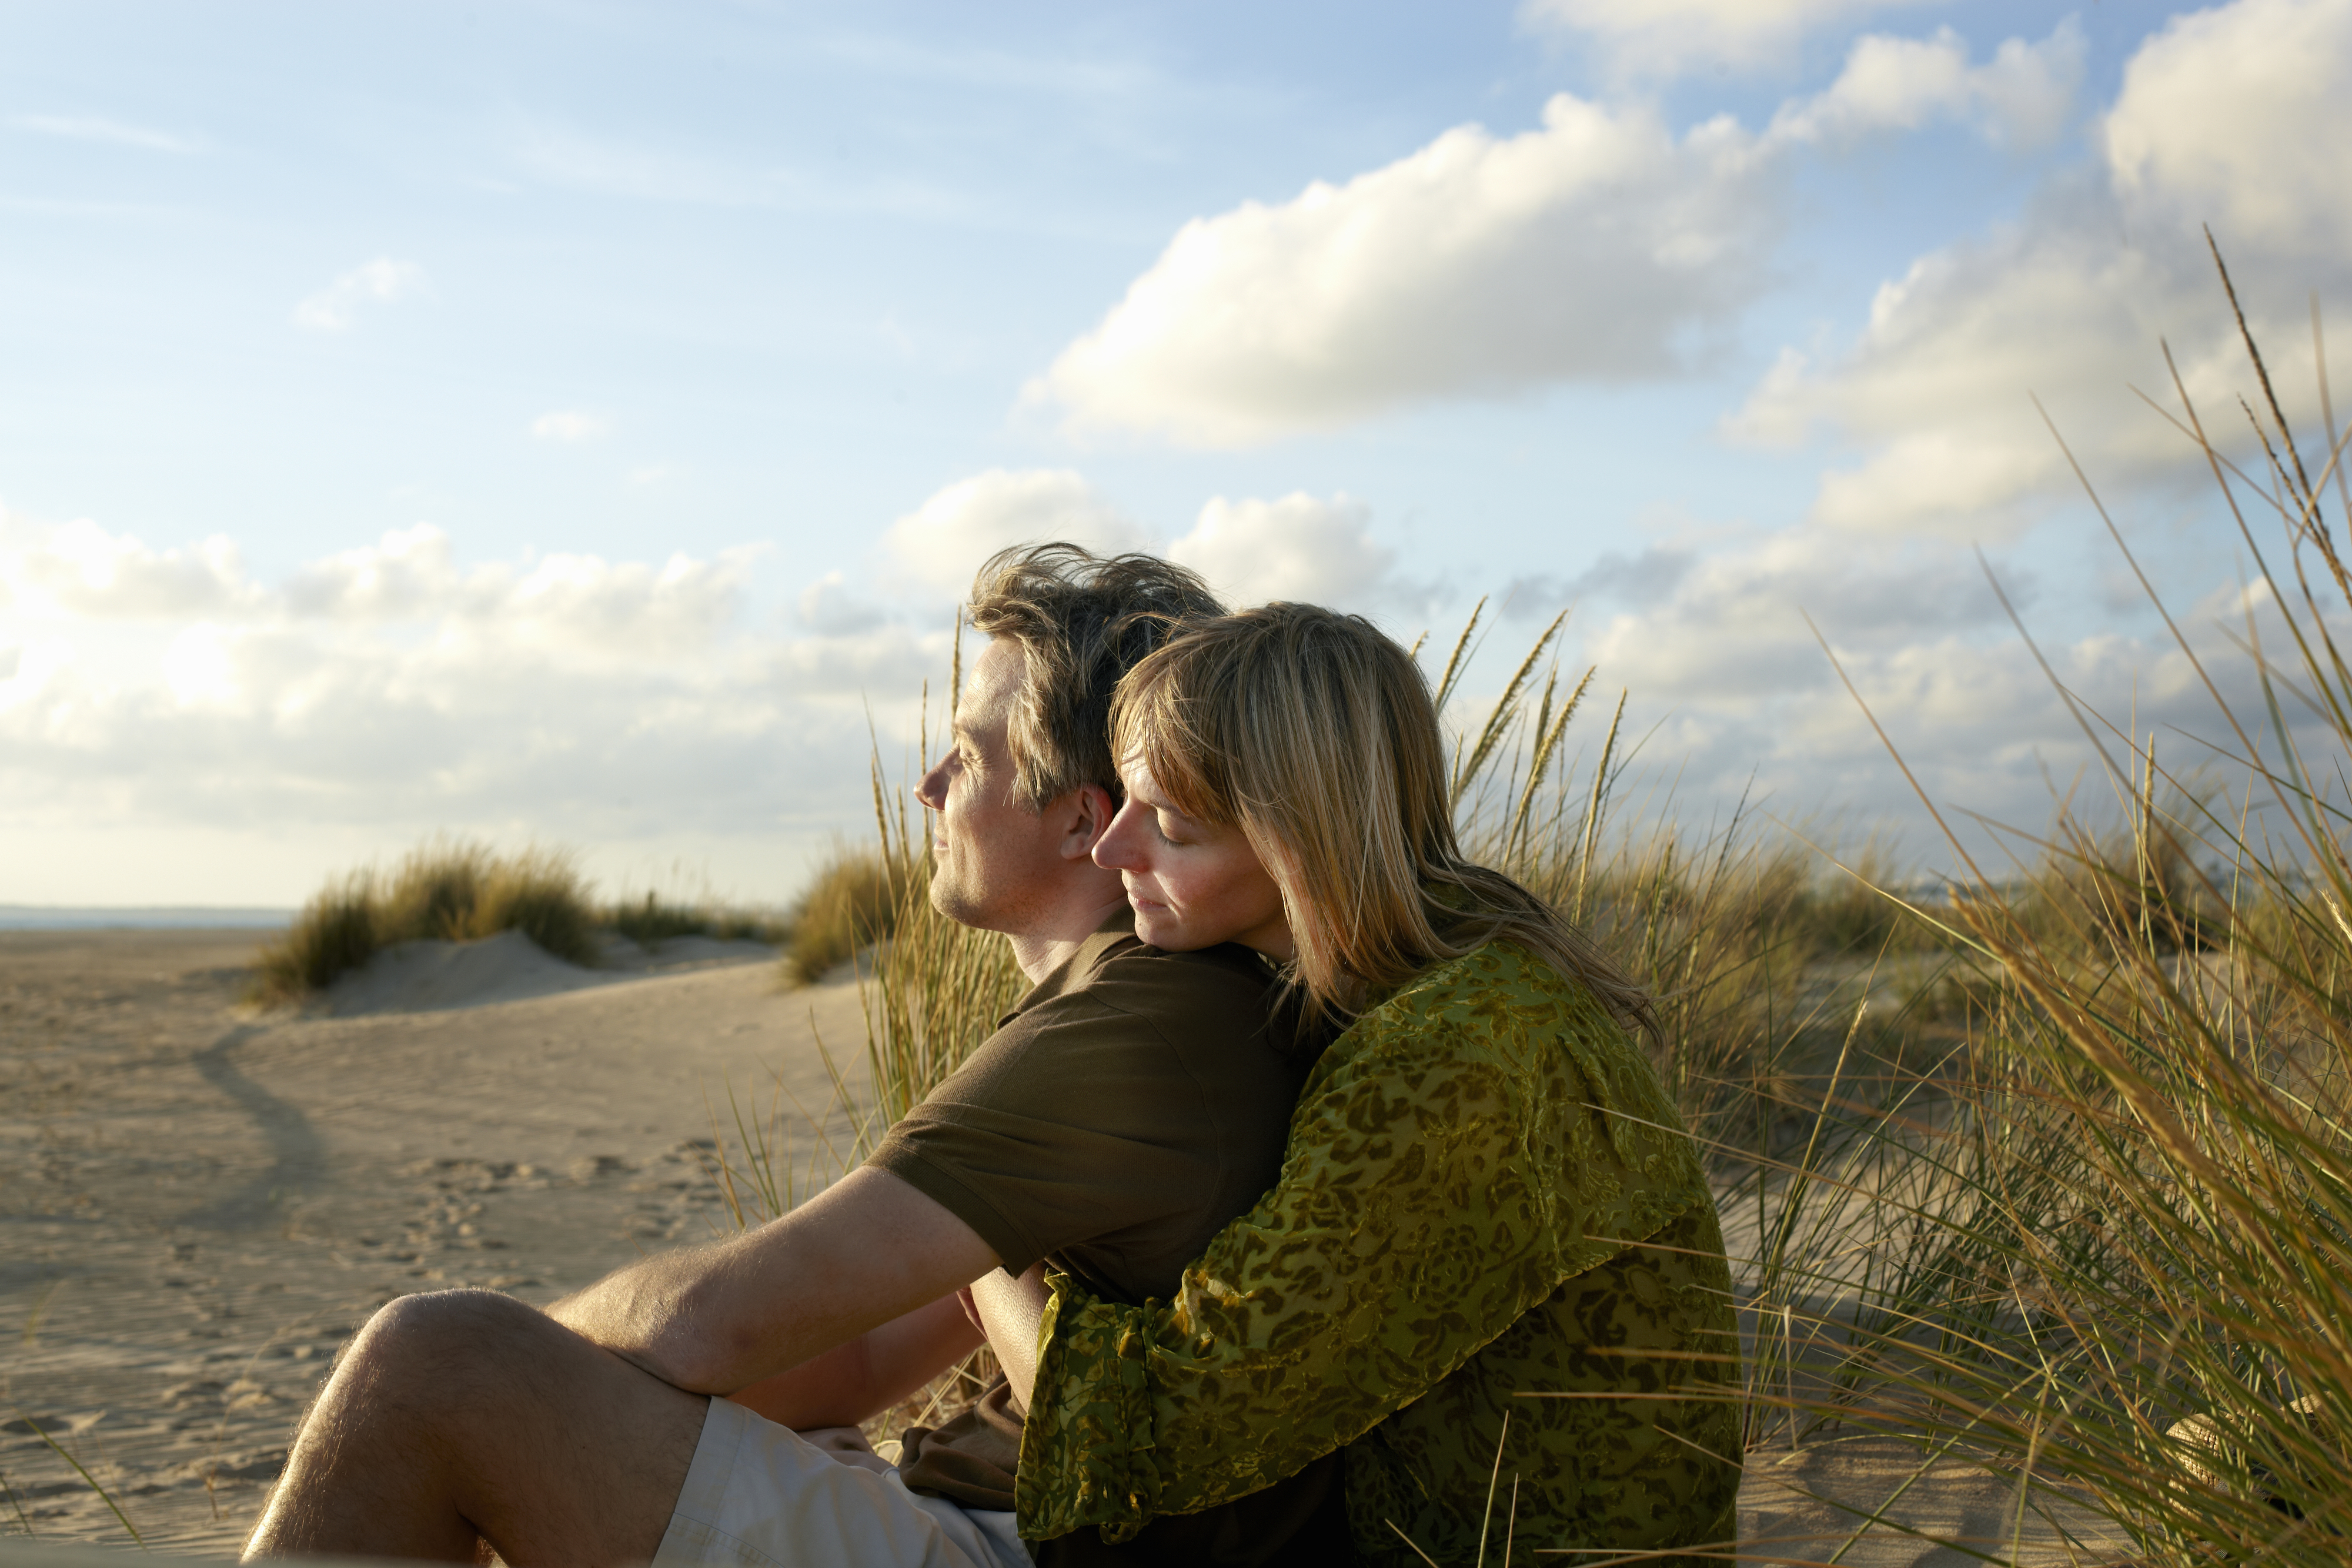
574,420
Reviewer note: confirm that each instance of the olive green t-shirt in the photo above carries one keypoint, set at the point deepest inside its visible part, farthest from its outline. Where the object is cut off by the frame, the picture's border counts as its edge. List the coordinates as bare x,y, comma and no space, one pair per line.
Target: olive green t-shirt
1129,1106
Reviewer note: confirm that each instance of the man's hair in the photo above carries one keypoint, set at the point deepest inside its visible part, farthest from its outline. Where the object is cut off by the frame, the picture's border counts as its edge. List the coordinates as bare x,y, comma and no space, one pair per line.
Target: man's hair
1315,735
1081,622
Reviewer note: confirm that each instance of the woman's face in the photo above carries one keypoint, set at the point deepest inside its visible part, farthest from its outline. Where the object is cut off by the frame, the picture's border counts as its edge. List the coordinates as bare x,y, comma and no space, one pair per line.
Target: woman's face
1193,884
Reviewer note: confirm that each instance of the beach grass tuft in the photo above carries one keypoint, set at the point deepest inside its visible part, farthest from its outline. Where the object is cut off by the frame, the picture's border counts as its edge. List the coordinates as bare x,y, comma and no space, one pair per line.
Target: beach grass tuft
855,901
450,890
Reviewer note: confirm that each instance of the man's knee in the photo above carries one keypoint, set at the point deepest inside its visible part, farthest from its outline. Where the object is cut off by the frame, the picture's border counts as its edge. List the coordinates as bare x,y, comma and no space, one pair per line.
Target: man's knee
452,1345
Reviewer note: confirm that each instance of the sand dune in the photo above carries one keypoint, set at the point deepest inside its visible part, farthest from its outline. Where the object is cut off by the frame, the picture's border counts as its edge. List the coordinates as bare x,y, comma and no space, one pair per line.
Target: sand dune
198,1203
435,976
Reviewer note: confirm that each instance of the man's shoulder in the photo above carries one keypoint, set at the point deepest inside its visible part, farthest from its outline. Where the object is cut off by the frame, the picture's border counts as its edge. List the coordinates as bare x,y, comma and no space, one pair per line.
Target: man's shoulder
1213,987
1130,998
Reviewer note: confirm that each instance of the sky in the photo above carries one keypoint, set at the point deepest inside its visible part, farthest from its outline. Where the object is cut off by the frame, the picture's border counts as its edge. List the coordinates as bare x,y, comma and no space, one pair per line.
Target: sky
575,423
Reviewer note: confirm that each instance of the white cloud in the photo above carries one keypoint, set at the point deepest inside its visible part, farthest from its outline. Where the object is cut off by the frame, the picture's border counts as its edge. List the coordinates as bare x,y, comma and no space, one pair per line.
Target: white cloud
379,282
80,569
1666,37
2222,115
831,606
571,426
1736,696
2239,116
1597,246
391,690
96,128
1298,547
2021,98
941,543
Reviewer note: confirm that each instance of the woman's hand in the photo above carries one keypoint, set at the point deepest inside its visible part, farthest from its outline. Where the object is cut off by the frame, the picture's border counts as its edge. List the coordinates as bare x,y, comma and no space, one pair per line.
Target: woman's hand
1011,1310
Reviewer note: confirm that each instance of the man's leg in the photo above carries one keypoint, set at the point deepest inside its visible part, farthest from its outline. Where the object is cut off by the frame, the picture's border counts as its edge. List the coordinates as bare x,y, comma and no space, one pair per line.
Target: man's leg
465,1416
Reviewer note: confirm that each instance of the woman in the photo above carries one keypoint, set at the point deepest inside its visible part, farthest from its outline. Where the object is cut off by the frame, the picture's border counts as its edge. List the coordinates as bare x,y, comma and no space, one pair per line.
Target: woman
1492,1272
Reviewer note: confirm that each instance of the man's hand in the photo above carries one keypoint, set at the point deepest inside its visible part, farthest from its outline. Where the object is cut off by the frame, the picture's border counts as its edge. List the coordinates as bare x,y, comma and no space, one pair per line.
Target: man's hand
715,1319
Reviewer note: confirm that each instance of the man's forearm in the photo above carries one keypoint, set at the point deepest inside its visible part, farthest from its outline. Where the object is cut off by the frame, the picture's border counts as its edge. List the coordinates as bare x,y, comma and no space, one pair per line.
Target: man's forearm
718,1318
637,1313
870,1374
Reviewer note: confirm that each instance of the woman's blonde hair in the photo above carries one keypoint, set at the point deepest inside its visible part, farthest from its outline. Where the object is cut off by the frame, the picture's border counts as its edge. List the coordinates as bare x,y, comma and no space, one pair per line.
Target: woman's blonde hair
1315,733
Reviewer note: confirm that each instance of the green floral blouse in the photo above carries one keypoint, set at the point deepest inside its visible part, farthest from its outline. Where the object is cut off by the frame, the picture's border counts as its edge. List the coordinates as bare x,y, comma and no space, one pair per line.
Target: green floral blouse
1486,1194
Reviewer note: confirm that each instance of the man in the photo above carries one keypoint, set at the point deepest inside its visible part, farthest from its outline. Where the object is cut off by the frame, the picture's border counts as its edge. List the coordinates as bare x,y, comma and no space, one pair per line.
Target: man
1132,1104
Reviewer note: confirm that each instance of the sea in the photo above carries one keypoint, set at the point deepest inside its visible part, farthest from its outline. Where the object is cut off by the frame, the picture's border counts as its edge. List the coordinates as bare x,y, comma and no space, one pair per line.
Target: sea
149,917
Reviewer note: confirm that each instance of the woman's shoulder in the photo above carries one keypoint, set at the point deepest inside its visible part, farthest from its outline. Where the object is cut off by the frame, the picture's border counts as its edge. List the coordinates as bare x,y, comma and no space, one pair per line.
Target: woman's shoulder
1503,1017
1494,984
1494,1000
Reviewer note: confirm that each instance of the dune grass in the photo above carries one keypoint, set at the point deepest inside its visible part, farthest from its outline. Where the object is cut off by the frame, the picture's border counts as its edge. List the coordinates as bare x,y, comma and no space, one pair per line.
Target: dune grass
853,902
654,919
460,890
450,890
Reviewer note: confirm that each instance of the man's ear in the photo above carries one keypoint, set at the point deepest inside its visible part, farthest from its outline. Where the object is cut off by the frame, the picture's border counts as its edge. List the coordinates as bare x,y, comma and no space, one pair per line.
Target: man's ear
1090,809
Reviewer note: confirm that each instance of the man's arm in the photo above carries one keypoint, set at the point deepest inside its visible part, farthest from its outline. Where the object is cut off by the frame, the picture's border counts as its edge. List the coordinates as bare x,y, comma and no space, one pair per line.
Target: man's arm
719,1318
871,1372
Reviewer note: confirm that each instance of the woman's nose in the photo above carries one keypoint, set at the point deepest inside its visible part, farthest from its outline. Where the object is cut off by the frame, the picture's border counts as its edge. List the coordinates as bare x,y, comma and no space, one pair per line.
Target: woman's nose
1111,851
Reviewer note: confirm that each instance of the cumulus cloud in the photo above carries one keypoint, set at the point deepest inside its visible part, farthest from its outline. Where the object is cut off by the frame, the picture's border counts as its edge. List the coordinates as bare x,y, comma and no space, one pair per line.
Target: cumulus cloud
829,606
1598,245
1297,547
571,426
2237,116
1663,38
393,689
1736,697
382,281
941,543
2225,114
80,569
2021,98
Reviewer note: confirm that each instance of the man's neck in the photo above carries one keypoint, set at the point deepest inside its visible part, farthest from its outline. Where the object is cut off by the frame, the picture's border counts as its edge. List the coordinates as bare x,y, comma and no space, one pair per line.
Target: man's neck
1049,944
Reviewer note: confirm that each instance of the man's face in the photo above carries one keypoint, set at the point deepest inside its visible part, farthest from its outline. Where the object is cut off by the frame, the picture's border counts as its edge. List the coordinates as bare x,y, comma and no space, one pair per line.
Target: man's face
995,865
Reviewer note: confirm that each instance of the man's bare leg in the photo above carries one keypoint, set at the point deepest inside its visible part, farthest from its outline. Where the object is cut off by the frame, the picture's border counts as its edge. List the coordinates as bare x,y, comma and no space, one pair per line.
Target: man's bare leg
464,1417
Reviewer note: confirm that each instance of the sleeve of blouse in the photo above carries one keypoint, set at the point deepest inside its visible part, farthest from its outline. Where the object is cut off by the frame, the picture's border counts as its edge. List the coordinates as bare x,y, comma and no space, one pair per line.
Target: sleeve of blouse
1412,1225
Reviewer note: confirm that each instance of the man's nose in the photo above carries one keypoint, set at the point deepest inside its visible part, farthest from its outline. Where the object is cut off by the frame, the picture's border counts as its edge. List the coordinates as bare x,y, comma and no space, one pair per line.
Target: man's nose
932,791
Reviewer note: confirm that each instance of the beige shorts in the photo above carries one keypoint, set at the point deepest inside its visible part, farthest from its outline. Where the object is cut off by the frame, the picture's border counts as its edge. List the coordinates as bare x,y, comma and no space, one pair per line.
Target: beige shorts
765,1496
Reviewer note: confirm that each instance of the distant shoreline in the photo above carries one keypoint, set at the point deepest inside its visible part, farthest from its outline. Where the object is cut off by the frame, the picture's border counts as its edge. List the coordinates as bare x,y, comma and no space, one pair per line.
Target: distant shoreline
139,917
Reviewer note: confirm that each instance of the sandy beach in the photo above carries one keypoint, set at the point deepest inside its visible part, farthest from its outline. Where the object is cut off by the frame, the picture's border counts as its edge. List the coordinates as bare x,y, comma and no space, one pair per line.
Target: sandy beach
200,1202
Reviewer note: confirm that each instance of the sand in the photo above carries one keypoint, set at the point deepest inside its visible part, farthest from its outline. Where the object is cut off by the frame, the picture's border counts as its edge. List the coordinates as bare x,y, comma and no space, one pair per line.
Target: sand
198,1203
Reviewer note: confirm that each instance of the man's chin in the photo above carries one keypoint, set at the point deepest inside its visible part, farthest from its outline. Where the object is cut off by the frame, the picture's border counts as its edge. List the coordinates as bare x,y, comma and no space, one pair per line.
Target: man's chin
958,905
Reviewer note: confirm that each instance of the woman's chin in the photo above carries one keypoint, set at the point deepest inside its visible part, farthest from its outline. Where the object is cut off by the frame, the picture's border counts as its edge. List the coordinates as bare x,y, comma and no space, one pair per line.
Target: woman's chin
1166,935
